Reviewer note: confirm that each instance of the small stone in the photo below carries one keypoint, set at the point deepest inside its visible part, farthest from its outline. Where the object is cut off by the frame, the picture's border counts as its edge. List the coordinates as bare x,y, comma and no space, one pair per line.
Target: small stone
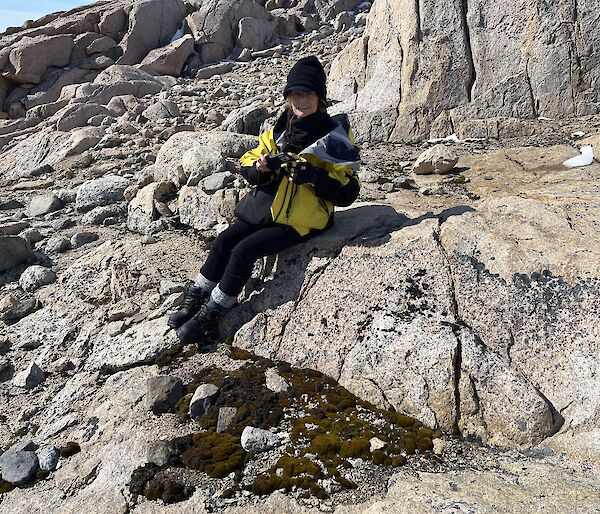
376,444
168,287
162,393
10,205
18,467
98,215
13,307
62,223
439,445
69,449
30,377
226,418
148,240
35,277
48,458
32,235
216,181
83,238
160,453
57,244
258,440
43,204
275,382
202,399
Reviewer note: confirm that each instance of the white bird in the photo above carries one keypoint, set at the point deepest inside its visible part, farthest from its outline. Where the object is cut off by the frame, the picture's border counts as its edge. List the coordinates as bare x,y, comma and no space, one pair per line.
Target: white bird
586,158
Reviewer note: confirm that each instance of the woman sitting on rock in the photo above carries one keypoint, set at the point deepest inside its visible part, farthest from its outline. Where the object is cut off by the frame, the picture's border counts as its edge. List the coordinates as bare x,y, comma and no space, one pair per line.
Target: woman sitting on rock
302,167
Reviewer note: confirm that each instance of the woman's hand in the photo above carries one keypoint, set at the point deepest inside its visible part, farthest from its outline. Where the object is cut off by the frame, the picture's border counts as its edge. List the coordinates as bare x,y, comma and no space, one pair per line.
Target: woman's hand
261,164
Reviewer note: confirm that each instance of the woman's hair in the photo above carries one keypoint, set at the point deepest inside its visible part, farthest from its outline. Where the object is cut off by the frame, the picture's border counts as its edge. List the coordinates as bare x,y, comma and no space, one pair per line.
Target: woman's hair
322,105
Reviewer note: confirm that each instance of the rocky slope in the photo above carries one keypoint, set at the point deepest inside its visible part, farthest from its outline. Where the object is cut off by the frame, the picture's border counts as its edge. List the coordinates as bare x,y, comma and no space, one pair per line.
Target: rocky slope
465,298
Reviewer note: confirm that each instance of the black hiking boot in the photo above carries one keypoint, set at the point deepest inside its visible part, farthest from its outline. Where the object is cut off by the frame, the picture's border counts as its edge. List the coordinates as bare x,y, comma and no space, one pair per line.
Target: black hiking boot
192,302
200,325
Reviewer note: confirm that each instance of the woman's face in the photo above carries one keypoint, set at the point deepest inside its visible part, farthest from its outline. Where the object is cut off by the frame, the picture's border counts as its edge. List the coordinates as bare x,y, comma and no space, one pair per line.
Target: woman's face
303,104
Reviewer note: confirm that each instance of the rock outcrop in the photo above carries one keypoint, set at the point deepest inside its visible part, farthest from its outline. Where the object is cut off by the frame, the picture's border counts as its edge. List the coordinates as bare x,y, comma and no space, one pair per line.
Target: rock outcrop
458,301
424,68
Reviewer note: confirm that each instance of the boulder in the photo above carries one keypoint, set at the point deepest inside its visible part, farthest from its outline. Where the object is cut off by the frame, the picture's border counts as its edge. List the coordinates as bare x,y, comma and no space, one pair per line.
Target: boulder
216,181
246,120
32,56
43,204
163,109
83,238
113,22
169,60
162,393
142,211
102,191
18,467
151,25
77,115
195,208
201,162
14,250
171,154
437,159
100,45
57,244
35,277
98,215
256,33
214,69
212,23
14,307
13,228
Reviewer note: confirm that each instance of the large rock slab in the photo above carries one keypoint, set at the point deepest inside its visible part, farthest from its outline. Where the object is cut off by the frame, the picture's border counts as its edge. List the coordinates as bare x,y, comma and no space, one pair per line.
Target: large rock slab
169,60
140,344
151,25
32,56
212,24
417,62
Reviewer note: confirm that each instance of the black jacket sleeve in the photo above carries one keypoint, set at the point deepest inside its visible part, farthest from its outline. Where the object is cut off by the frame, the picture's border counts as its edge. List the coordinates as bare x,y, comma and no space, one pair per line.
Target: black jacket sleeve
332,190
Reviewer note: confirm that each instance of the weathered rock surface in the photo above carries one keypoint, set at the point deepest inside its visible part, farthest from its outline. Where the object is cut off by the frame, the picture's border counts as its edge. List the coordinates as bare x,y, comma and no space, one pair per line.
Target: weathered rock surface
406,67
18,467
103,191
162,393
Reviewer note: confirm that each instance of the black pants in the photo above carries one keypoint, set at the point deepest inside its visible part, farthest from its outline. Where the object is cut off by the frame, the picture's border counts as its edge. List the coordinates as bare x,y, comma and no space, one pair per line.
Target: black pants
236,249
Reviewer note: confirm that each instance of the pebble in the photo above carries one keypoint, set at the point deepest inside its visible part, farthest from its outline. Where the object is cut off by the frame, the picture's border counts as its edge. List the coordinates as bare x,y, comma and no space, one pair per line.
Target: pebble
57,244
48,458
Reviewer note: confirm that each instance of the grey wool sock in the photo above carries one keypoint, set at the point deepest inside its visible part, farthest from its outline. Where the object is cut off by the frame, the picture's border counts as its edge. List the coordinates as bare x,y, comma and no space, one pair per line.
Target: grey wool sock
201,282
222,300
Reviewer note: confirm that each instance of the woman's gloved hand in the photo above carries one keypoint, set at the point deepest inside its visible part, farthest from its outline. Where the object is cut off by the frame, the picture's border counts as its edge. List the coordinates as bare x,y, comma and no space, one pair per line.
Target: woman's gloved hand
302,172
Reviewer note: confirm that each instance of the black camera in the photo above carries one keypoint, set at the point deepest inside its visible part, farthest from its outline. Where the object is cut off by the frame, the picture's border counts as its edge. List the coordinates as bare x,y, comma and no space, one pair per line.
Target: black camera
275,162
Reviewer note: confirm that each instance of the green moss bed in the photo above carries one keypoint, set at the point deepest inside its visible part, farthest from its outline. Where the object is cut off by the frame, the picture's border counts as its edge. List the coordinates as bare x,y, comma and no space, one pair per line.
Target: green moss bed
329,430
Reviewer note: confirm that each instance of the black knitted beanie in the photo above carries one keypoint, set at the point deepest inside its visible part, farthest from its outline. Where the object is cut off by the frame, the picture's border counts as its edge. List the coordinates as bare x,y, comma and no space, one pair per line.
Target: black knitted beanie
307,75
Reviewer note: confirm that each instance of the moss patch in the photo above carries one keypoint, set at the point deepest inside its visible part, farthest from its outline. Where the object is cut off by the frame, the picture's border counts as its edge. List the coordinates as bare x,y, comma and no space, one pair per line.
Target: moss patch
329,427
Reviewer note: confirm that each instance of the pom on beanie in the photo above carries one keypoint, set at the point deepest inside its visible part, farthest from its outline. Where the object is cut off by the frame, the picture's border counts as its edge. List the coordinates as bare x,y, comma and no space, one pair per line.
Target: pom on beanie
307,75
